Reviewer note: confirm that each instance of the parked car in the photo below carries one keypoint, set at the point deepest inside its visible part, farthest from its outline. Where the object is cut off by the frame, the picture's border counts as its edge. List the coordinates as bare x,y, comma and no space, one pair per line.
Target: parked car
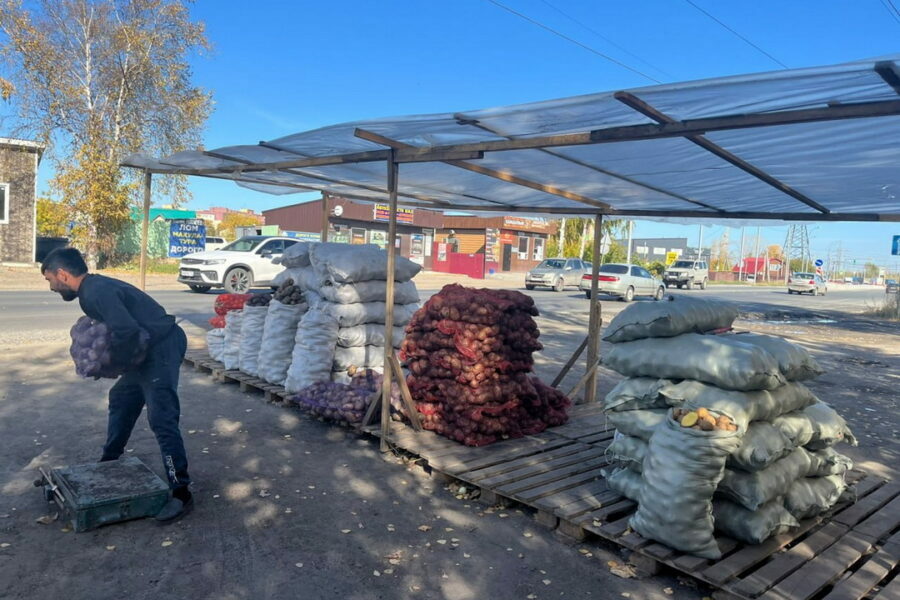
624,282
800,283
891,286
687,273
237,267
214,243
556,273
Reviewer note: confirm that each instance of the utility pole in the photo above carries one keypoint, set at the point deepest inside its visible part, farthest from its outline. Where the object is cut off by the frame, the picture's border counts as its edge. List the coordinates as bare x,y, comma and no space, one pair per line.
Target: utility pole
756,258
700,245
741,258
561,252
628,257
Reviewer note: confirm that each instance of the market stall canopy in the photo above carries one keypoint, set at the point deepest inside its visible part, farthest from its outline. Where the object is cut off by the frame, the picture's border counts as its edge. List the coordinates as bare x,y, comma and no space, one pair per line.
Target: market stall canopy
803,144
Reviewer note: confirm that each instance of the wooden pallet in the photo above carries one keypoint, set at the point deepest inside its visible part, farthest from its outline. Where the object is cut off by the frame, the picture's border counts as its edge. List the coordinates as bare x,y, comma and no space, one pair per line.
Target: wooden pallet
247,383
850,554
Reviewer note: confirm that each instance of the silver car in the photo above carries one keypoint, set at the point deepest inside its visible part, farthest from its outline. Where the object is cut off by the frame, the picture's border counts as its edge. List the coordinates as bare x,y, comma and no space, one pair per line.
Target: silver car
557,273
624,282
800,283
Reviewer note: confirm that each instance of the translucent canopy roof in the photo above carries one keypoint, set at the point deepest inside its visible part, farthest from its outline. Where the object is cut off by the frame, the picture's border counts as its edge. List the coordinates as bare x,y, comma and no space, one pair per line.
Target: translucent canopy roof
804,144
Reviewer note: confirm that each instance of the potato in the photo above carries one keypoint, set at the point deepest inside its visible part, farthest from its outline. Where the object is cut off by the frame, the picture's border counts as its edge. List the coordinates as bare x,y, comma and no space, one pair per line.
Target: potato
702,413
707,423
689,419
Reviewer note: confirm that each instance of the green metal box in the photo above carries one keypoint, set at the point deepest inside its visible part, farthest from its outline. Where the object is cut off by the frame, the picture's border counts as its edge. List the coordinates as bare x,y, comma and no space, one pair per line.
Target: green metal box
101,493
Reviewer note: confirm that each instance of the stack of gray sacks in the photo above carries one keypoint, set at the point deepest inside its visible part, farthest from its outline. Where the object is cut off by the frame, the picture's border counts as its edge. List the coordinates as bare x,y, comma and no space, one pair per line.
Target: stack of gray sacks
344,328
758,461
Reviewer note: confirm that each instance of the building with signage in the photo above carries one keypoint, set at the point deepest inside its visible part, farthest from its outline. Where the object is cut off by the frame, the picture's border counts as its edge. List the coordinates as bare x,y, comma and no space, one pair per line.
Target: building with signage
361,223
19,160
216,214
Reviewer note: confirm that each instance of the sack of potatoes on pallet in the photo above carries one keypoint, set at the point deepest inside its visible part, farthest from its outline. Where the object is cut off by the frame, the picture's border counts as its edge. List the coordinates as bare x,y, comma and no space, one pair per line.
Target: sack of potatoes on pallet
344,329
714,429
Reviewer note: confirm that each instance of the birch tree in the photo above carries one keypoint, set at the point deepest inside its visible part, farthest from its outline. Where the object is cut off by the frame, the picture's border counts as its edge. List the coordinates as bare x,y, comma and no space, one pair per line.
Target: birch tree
96,80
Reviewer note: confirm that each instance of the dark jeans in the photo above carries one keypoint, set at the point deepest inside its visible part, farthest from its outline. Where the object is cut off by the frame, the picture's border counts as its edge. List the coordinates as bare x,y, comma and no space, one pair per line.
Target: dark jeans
155,384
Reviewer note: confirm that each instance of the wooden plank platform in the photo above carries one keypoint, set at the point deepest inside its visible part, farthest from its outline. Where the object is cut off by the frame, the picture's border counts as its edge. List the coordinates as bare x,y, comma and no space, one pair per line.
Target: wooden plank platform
851,553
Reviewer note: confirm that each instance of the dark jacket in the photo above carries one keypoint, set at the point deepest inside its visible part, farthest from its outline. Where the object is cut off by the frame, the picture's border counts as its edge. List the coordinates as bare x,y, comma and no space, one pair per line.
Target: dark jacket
125,310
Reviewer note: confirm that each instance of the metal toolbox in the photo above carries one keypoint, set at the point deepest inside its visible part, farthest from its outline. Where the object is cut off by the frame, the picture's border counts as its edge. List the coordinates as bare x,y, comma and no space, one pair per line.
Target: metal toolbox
97,494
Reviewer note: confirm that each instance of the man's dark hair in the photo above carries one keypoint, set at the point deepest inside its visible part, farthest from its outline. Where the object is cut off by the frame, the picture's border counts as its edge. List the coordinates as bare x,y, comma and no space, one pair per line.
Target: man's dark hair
67,259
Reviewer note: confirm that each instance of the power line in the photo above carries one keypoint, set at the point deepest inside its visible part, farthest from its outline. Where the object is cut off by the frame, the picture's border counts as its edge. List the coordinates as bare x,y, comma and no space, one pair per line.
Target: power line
572,40
606,39
737,34
889,6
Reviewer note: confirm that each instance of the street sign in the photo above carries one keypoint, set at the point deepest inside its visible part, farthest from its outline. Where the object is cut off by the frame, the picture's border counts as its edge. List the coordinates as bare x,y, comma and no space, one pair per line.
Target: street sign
671,257
895,248
819,262
604,245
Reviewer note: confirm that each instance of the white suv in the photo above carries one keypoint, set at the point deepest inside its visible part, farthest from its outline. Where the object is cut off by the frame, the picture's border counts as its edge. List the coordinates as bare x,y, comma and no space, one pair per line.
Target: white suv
237,267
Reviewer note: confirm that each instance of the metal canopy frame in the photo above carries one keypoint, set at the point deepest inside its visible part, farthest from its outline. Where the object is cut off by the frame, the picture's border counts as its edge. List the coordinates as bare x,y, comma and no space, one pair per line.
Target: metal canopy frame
305,168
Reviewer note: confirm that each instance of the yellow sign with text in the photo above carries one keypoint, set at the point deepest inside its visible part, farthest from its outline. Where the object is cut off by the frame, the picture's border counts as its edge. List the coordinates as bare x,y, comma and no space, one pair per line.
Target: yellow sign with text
671,257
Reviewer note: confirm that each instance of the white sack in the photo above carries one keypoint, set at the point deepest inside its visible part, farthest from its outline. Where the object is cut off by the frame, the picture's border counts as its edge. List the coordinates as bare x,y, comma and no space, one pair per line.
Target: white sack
368,291
638,423
811,496
305,277
231,356
344,263
761,405
817,426
628,450
349,315
296,255
371,334
795,362
752,490
761,446
625,482
676,315
752,527
717,359
361,357
278,340
313,351
251,338
681,471
828,462
215,343
635,393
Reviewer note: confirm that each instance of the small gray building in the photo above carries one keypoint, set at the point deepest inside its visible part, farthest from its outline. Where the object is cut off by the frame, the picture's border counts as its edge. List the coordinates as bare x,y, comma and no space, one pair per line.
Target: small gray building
19,160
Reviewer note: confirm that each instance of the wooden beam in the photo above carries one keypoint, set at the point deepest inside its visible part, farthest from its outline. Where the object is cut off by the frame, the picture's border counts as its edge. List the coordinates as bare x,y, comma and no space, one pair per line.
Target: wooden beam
344,182
572,359
501,175
889,72
393,172
405,395
594,321
145,227
645,109
325,198
589,375
464,120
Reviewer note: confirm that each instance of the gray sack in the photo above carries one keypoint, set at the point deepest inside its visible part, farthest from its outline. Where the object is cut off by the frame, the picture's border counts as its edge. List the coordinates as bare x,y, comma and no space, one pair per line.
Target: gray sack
676,315
638,423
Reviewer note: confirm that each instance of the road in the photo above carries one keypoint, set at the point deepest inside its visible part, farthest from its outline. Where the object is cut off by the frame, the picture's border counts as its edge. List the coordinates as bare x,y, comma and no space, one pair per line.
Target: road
35,316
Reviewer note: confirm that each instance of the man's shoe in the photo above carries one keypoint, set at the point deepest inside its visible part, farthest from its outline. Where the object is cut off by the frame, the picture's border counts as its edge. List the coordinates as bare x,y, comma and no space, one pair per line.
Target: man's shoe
174,510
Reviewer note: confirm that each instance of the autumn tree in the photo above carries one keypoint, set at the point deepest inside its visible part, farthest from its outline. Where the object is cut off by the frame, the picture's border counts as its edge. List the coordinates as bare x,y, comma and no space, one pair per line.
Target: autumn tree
233,220
97,80
578,237
52,218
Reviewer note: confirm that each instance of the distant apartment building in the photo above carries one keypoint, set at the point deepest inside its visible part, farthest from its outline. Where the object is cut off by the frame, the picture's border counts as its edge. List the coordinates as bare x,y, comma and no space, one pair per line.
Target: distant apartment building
216,214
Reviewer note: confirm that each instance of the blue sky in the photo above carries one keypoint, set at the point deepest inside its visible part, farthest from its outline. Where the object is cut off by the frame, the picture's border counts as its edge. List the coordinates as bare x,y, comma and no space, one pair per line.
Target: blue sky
283,66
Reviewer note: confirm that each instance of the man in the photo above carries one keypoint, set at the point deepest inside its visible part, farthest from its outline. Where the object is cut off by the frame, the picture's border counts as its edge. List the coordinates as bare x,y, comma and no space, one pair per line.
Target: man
154,383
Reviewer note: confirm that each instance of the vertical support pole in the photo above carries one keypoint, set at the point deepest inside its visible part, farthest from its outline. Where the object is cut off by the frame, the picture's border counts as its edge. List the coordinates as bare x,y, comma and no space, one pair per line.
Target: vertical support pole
145,227
700,246
741,258
756,259
593,349
325,212
561,251
393,171
628,251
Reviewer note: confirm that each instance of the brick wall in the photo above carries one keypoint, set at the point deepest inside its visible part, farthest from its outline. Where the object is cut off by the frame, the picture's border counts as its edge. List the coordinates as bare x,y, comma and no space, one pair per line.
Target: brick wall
18,170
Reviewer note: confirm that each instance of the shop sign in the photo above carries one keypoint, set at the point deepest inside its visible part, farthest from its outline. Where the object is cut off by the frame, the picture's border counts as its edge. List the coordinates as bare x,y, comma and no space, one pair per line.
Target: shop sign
492,245
382,212
525,223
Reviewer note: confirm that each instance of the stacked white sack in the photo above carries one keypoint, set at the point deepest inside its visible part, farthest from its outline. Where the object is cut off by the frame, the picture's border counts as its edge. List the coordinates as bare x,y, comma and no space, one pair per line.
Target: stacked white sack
751,483
346,286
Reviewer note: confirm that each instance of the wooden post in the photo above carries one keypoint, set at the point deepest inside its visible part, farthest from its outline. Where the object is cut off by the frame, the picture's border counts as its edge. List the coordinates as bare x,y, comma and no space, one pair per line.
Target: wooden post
593,349
325,213
145,228
393,169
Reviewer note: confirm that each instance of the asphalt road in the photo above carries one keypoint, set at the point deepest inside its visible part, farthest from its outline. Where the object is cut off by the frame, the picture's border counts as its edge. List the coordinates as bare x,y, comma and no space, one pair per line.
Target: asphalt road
34,316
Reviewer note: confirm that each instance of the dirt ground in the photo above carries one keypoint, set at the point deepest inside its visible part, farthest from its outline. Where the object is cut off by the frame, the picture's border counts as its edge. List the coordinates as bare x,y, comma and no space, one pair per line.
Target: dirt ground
288,507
